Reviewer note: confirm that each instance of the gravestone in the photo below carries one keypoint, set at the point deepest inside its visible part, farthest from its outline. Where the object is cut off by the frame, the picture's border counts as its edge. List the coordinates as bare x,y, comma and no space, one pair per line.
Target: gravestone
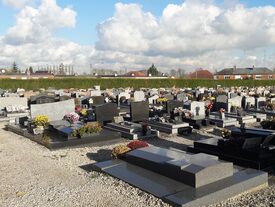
182,97
260,102
171,105
197,108
55,111
106,112
139,96
13,101
97,100
221,102
153,99
169,97
139,111
42,99
153,92
95,93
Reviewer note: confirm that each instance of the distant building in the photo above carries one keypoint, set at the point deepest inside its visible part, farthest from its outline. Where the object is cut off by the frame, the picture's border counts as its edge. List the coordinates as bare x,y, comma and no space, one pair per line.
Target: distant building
136,74
255,73
201,74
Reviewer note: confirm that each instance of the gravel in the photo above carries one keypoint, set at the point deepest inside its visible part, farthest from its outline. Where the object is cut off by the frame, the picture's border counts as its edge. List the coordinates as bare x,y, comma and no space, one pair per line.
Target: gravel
31,175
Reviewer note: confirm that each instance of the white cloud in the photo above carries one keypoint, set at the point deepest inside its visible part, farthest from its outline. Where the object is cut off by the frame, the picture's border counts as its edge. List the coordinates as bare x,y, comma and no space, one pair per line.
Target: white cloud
193,34
17,3
36,25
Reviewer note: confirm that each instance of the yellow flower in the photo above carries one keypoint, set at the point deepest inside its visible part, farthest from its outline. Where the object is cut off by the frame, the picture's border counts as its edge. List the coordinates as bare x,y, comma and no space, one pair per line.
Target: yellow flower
41,120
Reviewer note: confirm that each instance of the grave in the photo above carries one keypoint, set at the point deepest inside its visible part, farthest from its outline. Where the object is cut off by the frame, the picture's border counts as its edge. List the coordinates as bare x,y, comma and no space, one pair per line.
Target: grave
245,147
198,119
182,179
221,121
139,111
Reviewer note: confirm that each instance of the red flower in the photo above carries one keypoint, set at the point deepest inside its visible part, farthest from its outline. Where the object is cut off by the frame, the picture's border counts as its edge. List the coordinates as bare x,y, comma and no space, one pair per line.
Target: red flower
137,144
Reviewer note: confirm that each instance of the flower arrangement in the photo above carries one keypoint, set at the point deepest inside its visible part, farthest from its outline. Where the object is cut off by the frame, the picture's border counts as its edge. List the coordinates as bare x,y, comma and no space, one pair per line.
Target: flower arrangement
41,121
137,144
89,128
78,108
84,112
222,110
72,117
225,133
209,106
120,151
161,100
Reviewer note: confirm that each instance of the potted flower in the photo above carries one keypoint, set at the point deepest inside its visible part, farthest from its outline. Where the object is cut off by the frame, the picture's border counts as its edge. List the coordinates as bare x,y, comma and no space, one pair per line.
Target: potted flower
40,122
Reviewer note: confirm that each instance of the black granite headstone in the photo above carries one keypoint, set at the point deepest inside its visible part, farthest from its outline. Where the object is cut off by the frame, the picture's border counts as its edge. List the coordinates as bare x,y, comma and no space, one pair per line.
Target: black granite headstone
106,112
139,111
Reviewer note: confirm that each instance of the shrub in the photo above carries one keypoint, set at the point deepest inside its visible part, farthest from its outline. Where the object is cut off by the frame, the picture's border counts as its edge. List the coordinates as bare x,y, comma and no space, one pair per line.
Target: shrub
89,128
137,144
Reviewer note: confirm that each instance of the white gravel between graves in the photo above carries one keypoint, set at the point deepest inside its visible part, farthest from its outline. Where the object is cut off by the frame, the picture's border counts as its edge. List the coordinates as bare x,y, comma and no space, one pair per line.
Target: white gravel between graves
31,175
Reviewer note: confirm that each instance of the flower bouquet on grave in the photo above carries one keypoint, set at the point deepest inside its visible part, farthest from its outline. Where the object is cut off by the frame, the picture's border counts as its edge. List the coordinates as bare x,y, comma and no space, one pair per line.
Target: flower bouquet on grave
137,144
78,109
120,151
87,129
72,117
209,106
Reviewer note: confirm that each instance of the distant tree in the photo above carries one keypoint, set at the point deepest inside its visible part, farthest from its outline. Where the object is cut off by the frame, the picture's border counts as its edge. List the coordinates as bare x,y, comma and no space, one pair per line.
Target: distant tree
31,70
153,71
173,73
15,68
181,72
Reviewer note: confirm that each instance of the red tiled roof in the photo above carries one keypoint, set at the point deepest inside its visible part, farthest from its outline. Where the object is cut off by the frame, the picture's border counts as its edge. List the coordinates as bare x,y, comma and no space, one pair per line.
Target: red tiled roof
201,74
135,74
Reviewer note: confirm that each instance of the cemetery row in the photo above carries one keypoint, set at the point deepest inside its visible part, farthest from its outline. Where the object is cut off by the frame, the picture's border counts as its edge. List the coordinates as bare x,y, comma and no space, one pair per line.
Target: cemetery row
240,121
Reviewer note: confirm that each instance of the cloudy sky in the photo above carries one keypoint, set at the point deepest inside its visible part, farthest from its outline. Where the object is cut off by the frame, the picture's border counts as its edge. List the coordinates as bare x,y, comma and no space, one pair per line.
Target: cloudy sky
134,34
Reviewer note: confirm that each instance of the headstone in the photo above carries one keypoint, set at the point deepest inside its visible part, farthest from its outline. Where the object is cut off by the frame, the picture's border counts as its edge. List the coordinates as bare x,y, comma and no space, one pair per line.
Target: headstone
106,112
95,93
55,111
153,99
139,96
13,101
182,97
197,108
139,111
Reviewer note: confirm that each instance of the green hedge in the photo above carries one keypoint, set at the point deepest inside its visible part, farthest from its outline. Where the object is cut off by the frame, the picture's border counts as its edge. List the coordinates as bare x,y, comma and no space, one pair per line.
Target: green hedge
116,83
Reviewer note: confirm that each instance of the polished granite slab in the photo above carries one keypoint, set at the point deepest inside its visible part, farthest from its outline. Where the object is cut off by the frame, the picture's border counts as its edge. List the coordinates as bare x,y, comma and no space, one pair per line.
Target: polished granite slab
179,194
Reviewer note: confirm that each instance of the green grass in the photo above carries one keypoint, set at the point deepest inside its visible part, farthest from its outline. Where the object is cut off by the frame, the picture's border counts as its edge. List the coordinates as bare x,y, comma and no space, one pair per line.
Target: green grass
116,83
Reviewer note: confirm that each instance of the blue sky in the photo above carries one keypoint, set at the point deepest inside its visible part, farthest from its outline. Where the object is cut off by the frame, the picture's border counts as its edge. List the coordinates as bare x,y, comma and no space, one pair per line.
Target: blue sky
91,12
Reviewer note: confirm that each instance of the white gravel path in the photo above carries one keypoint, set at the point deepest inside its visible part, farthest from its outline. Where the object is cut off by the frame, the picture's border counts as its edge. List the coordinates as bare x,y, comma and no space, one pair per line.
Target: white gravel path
31,175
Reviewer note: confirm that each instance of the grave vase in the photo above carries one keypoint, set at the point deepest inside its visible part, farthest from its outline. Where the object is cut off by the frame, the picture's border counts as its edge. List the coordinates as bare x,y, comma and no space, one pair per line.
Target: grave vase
221,115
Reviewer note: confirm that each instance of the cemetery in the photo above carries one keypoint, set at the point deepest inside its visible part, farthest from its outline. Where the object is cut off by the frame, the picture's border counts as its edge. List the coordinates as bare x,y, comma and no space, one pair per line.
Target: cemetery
186,146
